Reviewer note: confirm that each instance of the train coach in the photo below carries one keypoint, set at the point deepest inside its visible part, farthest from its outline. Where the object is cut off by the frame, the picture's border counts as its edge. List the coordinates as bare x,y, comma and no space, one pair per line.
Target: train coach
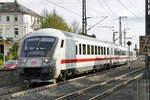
49,54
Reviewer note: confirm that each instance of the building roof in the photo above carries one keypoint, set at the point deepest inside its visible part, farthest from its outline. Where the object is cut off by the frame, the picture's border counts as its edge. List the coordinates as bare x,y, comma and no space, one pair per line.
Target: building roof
15,7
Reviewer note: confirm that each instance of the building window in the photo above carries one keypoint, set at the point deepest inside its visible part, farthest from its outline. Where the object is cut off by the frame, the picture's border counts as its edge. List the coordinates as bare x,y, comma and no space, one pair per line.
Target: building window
16,32
16,19
2,49
8,18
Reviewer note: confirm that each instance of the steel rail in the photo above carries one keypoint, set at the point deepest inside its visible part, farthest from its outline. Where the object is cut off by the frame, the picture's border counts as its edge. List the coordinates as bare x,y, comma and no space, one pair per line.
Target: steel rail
28,91
79,92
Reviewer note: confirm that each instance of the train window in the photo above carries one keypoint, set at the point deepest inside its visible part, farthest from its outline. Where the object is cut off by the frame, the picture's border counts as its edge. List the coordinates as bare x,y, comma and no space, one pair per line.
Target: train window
39,43
62,43
98,50
80,49
95,50
92,49
111,51
38,46
76,49
107,51
104,51
116,52
124,52
88,49
119,52
84,49
131,53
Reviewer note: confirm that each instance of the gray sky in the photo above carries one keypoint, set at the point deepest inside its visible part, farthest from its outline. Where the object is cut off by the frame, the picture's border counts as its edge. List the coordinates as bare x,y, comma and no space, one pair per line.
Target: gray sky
71,10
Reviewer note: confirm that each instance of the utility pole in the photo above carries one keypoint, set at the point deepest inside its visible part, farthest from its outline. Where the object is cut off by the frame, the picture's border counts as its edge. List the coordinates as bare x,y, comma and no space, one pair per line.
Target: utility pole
147,32
114,36
120,31
120,28
147,57
84,18
124,37
144,83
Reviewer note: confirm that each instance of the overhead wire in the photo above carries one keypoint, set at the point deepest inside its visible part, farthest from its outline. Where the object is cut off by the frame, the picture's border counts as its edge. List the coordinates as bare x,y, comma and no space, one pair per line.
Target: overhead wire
63,8
130,11
109,13
97,23
79,1
109,8
139,11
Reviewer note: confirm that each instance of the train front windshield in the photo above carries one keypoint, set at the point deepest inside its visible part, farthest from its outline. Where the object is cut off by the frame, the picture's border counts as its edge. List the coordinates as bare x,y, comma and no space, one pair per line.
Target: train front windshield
38,46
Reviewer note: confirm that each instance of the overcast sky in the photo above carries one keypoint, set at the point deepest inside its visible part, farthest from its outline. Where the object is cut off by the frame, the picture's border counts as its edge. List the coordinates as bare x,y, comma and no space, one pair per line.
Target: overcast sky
71,10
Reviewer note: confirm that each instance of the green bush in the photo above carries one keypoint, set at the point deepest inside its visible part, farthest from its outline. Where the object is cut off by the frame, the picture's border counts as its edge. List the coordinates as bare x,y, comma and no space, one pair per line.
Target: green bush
1,56
15,51
1,63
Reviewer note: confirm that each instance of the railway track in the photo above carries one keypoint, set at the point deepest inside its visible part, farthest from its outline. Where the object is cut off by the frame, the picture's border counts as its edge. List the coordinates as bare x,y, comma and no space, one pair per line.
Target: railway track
9,77
99,90
12,89
23,90
6,91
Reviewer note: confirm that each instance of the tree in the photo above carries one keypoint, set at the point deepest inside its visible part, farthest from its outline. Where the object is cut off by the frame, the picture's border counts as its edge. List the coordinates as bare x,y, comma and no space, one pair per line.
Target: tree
14,52
75,27
51,20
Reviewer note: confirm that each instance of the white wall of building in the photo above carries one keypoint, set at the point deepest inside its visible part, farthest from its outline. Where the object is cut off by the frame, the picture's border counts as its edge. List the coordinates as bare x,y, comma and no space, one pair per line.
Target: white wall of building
22,24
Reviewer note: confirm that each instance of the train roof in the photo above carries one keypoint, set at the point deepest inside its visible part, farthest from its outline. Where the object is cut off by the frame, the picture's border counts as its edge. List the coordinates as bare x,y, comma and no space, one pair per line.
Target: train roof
63,35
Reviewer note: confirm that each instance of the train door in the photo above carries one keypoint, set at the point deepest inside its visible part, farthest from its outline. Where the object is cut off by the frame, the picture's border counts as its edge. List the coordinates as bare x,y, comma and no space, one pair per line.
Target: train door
111,55
109,60
106,55
70,53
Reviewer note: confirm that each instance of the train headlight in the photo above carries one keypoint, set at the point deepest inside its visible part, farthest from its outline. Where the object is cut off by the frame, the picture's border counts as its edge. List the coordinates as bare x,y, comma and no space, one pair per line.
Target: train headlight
24,60
46,60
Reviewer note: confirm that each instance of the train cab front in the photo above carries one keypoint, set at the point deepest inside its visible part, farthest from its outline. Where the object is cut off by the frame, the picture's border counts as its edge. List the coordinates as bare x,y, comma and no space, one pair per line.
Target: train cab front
36,58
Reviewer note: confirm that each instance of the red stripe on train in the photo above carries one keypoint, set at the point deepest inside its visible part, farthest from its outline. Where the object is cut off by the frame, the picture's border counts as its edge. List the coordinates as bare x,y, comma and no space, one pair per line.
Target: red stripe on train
91,59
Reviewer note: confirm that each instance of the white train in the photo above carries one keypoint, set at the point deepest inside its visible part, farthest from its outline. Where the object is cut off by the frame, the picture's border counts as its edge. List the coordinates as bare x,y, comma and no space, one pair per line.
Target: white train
51,54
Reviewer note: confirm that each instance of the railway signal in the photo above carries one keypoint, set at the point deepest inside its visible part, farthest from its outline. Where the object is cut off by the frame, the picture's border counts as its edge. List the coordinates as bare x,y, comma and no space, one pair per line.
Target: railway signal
129,43
129,63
